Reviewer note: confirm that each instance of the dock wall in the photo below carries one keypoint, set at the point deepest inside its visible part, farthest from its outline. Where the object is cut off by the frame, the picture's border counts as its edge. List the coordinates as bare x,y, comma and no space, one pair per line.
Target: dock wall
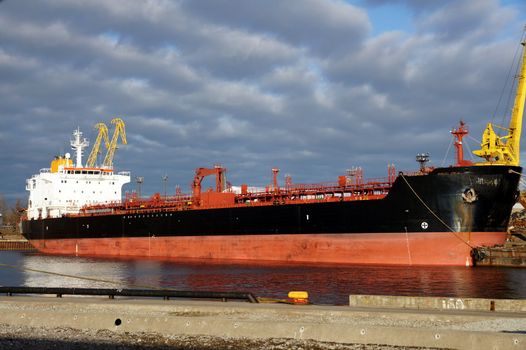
511,255
16,245
437,303
235,320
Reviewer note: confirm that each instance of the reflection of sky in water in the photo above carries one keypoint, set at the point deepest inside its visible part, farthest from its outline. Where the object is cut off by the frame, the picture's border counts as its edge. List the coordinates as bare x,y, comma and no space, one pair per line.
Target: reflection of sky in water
325,284
88,268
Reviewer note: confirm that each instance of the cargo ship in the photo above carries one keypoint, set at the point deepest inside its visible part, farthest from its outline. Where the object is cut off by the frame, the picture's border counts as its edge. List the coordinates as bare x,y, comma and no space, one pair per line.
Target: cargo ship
433,216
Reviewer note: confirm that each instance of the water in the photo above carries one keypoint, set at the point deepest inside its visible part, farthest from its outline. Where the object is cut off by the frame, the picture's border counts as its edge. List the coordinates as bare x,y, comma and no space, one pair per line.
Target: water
325,284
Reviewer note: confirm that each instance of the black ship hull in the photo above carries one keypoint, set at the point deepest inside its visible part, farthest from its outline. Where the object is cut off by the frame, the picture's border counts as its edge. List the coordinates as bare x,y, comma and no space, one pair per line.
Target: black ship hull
434,218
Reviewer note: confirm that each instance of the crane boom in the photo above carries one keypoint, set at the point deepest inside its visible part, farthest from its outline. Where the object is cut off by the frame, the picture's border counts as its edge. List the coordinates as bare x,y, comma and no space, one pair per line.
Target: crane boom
518,109
201,173
95,151
505,150
119,131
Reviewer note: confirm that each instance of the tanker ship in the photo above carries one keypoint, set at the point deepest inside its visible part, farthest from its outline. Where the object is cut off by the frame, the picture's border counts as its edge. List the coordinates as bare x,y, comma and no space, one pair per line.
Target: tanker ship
434,216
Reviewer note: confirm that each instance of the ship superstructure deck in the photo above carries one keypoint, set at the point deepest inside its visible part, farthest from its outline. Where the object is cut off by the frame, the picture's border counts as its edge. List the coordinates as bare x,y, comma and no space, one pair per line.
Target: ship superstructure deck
344,190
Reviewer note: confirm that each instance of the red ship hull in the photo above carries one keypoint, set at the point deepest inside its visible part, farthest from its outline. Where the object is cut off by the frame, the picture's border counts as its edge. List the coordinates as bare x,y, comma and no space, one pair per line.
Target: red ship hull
415,248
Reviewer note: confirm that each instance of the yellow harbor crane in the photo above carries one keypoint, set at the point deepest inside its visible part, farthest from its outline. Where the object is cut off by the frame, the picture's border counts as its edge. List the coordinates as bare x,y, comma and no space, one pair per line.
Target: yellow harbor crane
505,150
95,151
119,131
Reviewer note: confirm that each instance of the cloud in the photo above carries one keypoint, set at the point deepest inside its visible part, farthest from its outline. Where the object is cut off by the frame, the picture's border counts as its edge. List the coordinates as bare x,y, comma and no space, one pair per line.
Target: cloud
465,20
321,26
309,87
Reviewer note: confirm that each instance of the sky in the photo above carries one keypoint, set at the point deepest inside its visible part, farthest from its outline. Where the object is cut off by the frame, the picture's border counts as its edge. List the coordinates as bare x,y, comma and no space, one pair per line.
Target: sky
313,87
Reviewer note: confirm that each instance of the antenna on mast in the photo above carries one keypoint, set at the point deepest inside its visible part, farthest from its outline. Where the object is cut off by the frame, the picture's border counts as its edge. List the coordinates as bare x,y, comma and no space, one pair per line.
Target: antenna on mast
78,144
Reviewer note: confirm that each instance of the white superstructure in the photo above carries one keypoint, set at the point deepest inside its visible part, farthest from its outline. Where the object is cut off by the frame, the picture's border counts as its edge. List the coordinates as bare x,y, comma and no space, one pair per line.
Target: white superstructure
66,187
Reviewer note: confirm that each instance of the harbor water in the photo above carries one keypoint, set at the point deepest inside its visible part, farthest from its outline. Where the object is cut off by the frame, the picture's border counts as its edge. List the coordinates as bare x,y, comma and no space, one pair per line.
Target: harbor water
325,284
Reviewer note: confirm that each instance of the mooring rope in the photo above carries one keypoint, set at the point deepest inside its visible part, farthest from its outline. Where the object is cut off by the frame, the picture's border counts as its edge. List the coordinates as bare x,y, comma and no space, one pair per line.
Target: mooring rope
434,214
520,174
92,279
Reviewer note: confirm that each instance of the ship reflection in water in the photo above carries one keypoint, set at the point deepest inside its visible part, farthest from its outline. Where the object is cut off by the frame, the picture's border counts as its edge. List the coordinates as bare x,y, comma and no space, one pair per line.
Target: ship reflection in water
325,284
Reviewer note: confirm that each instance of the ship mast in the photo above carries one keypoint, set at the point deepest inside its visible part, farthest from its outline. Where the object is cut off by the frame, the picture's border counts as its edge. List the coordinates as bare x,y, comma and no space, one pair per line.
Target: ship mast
505,150
459,135
78,144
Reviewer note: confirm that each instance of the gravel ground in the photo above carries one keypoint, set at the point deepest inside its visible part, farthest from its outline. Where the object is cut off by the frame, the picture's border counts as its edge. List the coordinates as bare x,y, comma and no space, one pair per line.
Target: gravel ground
16,337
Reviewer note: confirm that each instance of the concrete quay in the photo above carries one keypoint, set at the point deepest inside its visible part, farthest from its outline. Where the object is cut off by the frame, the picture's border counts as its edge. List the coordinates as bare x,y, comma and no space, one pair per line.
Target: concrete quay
437,303
188,324
10,240
510,255
16,244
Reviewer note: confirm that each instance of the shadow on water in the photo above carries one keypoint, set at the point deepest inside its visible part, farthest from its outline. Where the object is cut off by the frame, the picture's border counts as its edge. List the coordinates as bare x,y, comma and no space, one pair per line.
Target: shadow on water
325,284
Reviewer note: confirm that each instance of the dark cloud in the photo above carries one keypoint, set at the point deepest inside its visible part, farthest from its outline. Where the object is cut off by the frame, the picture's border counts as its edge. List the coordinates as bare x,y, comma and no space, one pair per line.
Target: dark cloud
304,86
323,26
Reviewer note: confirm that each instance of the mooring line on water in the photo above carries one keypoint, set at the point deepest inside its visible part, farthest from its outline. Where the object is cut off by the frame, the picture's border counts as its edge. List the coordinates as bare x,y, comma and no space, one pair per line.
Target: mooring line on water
434,214
198,294
92,279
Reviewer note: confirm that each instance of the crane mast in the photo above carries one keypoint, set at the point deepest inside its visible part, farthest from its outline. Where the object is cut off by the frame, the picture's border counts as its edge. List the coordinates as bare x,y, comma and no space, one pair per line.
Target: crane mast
505,150
95,151
119,131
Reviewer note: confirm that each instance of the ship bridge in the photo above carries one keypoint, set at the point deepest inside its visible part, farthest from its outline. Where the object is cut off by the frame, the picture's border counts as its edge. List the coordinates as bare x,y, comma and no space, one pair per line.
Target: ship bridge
65,187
